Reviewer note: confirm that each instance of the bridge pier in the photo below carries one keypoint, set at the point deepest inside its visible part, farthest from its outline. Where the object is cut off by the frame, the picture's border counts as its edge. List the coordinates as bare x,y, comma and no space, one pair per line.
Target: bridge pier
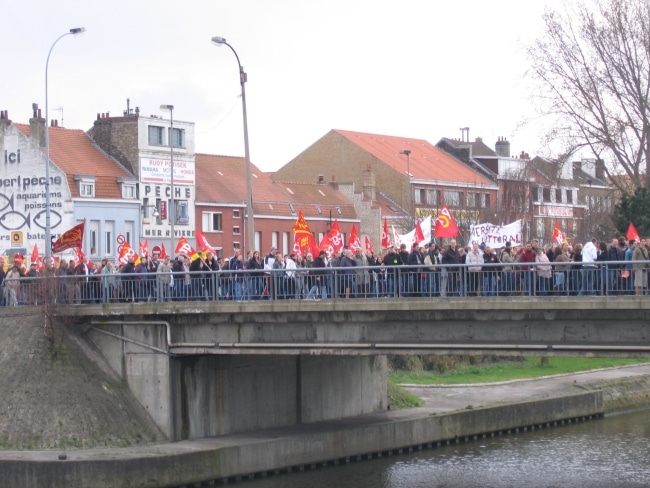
224,394
195,396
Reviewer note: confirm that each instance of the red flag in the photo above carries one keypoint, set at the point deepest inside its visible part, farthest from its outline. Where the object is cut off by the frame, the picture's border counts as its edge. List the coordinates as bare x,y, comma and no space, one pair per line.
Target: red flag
419,235
368,245
163,251
78,255
445,224
335,236
144,248
69,239
126,252
304,240
203,243
184,247
385,237
354,243
558,235
326,245
632,233
36,258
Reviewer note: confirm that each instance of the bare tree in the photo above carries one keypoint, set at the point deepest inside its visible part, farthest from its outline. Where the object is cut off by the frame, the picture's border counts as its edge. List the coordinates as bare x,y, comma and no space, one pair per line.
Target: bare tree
591,71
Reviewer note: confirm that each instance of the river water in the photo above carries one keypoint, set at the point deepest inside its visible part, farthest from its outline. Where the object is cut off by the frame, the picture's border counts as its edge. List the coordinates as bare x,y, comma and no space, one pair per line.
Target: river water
609,452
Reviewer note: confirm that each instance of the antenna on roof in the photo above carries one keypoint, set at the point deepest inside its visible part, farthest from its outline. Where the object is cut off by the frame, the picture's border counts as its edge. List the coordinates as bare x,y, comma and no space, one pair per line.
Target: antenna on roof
59,109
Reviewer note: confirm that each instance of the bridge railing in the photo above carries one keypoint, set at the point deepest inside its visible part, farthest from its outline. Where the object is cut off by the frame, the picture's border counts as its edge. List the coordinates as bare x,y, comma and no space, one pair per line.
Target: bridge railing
498,280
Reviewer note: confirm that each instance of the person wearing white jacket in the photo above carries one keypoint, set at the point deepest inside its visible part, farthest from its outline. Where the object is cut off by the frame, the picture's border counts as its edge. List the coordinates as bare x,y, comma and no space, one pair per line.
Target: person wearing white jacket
474,260
589,256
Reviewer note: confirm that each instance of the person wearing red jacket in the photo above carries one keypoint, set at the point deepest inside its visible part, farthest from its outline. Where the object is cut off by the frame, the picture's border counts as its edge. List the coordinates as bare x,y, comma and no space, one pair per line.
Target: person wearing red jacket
527,255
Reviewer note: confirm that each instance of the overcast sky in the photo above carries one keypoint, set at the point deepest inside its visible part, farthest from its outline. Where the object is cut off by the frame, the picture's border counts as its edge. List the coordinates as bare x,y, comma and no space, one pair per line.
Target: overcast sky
414,68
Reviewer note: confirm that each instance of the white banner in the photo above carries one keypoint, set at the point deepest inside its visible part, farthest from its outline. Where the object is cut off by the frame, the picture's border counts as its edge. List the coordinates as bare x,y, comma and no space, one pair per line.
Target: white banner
409,238
496,236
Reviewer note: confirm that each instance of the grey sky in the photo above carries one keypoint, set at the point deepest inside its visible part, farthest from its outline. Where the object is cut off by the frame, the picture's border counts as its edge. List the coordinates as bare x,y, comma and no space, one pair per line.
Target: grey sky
415,68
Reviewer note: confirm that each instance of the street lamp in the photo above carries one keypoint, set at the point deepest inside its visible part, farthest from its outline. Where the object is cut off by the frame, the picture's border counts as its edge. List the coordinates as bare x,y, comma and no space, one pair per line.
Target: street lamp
409,202
48,227
172,210
220,41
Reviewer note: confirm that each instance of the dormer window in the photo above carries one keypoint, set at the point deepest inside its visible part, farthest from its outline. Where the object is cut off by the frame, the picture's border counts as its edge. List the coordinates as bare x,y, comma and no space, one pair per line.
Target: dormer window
127,188
85,185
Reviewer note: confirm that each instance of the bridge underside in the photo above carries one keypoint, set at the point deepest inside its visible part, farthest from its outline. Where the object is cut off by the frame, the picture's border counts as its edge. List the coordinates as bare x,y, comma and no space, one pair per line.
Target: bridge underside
206,368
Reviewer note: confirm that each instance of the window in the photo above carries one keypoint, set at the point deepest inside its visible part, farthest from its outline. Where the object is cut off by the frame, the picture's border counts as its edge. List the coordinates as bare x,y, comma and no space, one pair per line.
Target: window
211,222
546,194
472,199
86,189
128,231
558,195
540,228
177,137
235,213
128,191
235,245
235,230
155,135
92,237
419,195
108,237
453,198
569,196
433,197
485,200
181,212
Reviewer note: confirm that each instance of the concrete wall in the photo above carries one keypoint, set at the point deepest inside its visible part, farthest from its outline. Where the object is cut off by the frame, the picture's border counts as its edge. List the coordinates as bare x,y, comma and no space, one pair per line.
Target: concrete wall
146,370
217,395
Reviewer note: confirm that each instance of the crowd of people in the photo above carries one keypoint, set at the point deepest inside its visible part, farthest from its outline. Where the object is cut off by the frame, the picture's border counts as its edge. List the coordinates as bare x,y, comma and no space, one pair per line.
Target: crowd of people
595,268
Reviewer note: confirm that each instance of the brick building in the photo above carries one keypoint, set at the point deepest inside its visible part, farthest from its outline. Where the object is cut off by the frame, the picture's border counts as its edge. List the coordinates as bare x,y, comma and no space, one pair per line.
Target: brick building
411,176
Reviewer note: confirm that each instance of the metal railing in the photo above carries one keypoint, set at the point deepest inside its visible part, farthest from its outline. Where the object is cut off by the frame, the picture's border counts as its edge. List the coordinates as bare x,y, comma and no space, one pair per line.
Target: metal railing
371,282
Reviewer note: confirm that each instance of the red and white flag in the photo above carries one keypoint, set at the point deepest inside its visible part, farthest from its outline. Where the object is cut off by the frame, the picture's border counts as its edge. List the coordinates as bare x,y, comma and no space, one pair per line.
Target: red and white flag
445,224
385,237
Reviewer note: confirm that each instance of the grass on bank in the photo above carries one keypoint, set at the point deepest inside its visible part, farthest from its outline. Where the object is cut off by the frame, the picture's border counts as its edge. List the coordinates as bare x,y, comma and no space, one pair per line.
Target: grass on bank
530,367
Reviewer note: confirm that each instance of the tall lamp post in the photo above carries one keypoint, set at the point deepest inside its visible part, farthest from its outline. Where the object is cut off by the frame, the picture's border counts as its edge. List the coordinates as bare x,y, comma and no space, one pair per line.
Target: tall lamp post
48,226
409,202
172,210
220,41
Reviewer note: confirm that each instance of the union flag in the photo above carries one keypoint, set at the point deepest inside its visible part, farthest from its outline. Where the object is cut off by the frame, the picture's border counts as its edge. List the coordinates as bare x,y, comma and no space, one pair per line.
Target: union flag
303,238
385,237
184,247
355,242
203,243
445,224
70,239
558,236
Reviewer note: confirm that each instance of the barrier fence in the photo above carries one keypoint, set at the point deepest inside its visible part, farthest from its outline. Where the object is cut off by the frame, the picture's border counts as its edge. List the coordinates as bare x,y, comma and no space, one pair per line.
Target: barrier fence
496,280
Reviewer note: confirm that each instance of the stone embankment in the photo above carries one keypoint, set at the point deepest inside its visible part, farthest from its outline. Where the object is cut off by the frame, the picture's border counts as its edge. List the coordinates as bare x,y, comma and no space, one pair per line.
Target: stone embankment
53,397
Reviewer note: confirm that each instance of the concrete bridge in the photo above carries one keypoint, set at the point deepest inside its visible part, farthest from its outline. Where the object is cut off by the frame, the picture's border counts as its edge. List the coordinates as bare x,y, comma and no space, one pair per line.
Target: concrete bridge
211,368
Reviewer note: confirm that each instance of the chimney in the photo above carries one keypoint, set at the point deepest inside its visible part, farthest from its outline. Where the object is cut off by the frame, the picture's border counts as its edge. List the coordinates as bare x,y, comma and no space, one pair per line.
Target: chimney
600,169
369,184
4,119
37,127
502,147
321,179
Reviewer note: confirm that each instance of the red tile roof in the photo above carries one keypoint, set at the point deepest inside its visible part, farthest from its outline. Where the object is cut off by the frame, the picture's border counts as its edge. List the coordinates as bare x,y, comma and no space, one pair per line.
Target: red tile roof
223,180
74,153
427,162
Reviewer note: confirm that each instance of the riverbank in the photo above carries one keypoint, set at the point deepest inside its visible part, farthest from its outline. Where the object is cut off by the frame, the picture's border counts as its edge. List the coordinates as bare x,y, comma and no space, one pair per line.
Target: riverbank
623,387
450,416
